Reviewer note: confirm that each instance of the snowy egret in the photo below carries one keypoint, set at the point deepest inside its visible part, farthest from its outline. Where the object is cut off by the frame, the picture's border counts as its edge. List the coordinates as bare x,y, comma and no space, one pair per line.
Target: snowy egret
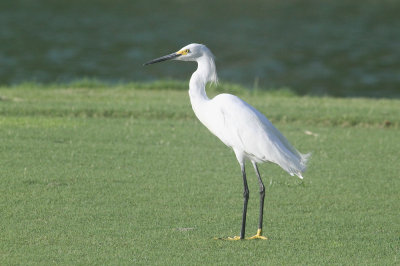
237,124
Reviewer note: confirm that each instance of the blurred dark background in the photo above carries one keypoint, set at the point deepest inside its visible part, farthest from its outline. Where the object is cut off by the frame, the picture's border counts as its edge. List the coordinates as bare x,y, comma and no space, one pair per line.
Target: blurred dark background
340,48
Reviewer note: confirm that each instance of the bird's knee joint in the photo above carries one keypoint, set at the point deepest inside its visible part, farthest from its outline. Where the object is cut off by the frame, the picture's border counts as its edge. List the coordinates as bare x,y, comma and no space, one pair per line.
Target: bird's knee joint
246,194
262,192
262,195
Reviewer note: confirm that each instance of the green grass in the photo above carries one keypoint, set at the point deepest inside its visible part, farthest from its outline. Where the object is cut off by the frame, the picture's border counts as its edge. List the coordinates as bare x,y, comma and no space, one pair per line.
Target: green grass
92,174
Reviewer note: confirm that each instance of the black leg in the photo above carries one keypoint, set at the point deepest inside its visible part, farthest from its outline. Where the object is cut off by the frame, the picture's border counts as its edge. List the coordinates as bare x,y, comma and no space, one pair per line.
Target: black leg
262,196
245,200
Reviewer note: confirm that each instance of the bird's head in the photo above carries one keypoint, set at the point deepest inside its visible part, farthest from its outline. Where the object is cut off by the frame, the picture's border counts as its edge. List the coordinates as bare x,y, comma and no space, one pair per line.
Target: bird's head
191,52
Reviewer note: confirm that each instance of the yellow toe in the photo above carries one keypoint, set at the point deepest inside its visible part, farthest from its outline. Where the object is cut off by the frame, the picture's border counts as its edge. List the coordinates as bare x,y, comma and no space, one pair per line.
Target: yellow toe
234,238
258,236
228,238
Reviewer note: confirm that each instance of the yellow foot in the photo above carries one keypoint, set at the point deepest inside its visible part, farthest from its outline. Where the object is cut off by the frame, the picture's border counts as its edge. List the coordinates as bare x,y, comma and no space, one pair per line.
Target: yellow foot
234,238
228,238
258,236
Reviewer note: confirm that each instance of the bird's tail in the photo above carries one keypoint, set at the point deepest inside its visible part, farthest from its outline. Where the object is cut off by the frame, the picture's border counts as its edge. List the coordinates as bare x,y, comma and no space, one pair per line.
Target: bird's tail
303,164
290,159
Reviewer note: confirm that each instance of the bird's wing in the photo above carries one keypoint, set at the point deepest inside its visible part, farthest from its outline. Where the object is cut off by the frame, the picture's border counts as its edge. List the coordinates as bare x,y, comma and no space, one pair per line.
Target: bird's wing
244,128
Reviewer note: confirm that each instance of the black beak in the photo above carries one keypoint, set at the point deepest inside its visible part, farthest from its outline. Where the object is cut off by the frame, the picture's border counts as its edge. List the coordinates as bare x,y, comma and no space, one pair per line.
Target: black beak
163,58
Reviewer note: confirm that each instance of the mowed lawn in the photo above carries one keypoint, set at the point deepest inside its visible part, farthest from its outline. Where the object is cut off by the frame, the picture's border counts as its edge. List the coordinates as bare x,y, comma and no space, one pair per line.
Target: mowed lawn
127,175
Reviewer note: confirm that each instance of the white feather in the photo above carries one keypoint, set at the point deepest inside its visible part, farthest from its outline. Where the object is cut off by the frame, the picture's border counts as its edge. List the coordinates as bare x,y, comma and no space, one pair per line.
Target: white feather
236,123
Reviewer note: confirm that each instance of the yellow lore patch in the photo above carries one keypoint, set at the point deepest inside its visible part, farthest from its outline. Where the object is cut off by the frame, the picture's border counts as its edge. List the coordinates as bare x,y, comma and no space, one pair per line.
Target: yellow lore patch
183,52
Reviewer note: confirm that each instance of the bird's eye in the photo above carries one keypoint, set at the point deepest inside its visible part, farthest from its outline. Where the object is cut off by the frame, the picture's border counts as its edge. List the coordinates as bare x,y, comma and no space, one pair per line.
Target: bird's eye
184,52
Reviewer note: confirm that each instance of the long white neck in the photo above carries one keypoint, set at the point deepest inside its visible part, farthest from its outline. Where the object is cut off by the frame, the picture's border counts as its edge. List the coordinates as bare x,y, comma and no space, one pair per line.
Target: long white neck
197,86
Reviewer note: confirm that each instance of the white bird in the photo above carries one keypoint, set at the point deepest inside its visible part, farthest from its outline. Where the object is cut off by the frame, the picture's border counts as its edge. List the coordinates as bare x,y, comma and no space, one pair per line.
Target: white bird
237,124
